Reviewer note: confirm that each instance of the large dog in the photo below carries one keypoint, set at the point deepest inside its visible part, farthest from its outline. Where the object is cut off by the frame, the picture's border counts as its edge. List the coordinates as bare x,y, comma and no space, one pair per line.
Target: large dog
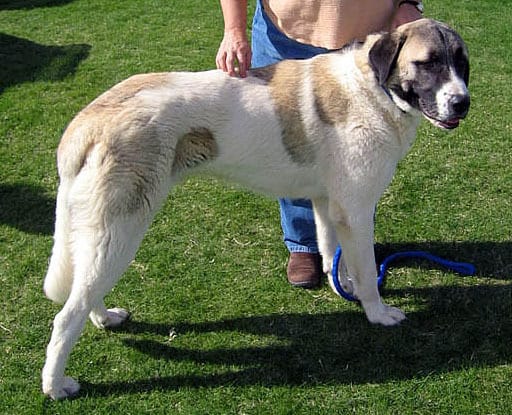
330,129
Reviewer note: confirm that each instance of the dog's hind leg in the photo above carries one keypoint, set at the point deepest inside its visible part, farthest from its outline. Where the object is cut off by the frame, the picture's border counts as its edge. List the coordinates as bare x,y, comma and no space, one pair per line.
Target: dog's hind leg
67,326
101,255
125,239
59,277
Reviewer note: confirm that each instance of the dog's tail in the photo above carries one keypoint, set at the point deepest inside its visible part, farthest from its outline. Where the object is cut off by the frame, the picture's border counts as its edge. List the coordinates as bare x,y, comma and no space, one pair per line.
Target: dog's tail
59,278
74,148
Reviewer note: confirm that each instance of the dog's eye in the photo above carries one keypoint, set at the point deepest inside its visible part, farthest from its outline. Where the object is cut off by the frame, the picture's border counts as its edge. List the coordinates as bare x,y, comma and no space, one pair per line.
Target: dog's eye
429,63
426,65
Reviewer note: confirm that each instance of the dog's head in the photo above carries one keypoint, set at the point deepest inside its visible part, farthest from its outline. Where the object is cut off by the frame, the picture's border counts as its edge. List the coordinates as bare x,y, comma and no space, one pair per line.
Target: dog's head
425,64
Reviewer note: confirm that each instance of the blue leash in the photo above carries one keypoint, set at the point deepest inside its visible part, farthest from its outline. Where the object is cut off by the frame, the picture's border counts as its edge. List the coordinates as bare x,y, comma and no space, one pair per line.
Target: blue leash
462,268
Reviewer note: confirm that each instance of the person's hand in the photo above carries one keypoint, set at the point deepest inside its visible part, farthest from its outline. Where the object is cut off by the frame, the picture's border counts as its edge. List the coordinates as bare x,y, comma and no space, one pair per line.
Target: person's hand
234,53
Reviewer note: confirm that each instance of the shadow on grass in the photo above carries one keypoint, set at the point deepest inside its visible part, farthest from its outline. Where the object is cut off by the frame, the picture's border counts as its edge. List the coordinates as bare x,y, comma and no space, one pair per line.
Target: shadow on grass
27,208
456,328
30,4
24,60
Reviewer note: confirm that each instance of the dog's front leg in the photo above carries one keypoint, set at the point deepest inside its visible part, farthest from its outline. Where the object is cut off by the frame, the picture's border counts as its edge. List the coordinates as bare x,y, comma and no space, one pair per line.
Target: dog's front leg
354,228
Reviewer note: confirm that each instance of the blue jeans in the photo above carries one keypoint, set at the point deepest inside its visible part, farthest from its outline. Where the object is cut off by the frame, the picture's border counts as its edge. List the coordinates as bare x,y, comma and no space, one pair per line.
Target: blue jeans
270,45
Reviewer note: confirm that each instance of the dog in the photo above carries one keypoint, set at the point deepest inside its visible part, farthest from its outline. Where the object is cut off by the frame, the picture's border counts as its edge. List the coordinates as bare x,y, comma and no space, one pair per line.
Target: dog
331,129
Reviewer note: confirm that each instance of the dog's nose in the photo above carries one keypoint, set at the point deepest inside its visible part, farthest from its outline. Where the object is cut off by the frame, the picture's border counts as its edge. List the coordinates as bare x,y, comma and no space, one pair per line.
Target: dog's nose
460,104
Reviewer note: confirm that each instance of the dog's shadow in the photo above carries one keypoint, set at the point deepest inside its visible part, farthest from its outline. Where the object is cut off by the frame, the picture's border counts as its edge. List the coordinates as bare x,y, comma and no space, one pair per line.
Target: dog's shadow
454,327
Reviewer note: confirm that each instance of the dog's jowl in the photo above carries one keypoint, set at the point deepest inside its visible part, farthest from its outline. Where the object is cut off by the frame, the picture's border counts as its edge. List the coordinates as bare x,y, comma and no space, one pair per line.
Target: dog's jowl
331,129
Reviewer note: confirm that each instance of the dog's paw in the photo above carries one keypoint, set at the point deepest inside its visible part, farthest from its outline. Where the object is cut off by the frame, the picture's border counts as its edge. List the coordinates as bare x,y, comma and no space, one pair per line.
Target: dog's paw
383,314
65,388
114,317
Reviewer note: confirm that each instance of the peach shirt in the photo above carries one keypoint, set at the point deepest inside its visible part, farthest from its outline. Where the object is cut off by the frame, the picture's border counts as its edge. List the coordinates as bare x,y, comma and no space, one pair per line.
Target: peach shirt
330,23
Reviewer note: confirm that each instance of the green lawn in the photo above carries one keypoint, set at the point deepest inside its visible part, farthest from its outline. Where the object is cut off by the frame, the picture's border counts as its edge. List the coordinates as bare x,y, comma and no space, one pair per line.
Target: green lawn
216,329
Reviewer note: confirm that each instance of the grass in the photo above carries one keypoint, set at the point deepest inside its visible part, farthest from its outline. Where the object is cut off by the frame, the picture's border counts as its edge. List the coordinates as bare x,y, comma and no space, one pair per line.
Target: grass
215,328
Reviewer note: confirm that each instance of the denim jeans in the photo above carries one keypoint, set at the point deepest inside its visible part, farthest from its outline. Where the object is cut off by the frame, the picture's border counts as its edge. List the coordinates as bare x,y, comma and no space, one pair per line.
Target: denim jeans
270,45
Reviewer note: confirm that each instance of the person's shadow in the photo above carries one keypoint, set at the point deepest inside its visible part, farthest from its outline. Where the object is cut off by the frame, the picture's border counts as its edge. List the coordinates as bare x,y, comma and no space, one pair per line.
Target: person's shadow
22,60
27,208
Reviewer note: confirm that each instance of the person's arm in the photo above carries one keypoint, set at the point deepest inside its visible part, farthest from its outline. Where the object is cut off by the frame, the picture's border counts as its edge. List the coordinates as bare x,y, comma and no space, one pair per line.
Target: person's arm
407,11
234,50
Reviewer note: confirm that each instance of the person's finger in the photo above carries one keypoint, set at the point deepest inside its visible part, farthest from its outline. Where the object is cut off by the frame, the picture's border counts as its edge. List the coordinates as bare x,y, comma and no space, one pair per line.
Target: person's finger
230,63
220,60
243,63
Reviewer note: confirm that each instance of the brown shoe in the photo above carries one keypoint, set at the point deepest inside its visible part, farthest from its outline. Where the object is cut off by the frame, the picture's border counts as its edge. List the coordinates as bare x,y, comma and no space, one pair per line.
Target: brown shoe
304,269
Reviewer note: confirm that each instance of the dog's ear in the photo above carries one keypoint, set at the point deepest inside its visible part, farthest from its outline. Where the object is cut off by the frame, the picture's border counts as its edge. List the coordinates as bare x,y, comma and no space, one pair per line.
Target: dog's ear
384,54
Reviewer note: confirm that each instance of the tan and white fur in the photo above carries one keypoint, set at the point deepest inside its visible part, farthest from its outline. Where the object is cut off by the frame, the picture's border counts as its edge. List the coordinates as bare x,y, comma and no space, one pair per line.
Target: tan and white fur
330,129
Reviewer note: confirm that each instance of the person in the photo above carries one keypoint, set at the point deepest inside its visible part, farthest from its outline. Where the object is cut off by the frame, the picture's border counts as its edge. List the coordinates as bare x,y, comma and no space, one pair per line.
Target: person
295,29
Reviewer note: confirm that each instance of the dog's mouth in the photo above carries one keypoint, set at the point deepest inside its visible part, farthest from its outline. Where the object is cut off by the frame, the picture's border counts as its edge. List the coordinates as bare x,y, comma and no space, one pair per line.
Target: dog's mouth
453,118
449,124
